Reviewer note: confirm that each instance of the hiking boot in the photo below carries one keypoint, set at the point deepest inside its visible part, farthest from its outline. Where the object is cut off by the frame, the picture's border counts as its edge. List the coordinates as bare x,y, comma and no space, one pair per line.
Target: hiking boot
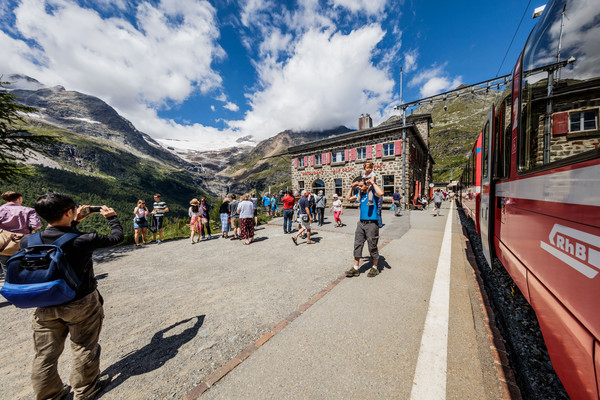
352,272
101,383
373,272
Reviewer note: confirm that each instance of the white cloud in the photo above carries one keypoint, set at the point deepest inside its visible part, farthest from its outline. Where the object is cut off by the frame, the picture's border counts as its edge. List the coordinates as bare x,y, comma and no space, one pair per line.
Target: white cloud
231,106
165,57
410,60
310,75
322,85
372,7
434,80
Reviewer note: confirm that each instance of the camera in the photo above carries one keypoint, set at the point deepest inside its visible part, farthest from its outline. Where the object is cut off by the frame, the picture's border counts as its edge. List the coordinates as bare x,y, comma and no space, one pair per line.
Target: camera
90,210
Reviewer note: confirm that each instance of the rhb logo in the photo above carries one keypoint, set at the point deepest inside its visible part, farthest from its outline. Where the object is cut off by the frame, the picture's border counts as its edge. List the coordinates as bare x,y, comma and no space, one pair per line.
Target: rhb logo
579,250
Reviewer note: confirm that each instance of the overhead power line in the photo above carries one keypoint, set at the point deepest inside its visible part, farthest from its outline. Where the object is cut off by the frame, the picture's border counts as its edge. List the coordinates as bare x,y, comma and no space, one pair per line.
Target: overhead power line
513,39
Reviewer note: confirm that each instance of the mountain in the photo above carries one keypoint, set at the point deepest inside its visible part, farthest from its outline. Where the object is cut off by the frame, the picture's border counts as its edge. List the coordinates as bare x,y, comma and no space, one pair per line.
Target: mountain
456,125
98,156
260,168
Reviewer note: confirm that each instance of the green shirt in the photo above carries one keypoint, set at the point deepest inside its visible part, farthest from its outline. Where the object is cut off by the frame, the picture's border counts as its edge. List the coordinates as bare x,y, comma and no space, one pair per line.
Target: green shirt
159,208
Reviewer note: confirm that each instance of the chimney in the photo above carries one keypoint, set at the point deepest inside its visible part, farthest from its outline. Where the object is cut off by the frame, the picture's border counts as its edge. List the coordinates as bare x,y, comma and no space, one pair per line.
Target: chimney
365,122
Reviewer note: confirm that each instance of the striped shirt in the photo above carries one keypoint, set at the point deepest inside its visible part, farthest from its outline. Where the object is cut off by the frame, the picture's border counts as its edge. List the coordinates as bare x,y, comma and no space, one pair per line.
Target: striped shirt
159,208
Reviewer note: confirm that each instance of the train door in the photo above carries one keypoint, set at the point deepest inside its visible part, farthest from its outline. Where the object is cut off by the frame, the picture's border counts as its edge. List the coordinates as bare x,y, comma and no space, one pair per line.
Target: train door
486,205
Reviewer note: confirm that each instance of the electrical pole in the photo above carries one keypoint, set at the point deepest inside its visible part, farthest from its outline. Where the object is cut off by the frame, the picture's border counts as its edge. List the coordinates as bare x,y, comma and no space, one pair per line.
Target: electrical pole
404,194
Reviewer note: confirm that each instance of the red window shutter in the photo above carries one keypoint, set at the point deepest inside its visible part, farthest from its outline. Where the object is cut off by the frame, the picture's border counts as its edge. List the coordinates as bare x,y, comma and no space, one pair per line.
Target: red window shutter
346,155
296,162
327,158
352,154
378,150
369,152
560,123
323,158
312,160
398,147
305,161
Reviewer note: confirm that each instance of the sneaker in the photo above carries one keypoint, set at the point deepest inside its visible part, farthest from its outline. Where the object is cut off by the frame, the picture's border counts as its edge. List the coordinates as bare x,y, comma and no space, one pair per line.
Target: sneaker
203,237
352,272
295,240
152,241
373,272
233,238
159,242
101,383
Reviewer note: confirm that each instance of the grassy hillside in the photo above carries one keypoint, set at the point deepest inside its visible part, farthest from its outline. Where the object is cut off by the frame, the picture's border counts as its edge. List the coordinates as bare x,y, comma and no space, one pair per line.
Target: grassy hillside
95,171
455,130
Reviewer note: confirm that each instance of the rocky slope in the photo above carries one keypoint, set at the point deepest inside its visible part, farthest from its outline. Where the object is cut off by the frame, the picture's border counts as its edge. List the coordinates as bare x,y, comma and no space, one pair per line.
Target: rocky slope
262,167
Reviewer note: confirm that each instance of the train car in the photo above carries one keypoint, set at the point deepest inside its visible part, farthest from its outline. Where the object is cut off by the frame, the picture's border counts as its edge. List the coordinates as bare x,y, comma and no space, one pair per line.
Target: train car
539,206
470,184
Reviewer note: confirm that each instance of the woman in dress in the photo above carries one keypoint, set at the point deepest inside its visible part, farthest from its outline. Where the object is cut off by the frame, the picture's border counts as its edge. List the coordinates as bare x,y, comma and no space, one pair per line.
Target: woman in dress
338,210
224,213
195,213
140,222
246,211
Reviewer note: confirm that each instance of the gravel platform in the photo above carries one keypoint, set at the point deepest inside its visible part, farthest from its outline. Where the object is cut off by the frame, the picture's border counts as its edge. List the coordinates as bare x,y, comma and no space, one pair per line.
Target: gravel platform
176,312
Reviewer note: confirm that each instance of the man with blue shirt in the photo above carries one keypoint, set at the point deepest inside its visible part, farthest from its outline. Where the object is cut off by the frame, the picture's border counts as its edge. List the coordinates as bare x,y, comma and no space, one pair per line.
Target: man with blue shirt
367,228
267,203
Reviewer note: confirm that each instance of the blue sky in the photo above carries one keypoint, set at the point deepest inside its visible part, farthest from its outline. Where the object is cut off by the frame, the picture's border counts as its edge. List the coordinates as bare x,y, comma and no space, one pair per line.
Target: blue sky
201,74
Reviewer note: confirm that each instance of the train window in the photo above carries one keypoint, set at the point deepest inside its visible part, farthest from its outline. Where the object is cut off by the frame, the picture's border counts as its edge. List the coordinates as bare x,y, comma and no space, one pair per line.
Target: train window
502,136
560,92
485,149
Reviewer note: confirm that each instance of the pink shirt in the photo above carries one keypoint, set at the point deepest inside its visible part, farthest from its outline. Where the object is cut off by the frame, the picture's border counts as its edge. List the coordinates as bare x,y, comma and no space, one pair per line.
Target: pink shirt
18,219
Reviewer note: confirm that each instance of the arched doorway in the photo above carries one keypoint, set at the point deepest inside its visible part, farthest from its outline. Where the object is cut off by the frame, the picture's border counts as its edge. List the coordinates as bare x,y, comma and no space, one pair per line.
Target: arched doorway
318,185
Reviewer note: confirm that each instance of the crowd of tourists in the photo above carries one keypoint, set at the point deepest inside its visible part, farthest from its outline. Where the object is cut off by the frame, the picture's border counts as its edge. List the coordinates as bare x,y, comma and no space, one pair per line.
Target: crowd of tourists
81,315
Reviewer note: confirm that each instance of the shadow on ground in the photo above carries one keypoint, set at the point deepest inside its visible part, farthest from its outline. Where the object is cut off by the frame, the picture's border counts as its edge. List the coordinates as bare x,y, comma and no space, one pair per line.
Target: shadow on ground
152,356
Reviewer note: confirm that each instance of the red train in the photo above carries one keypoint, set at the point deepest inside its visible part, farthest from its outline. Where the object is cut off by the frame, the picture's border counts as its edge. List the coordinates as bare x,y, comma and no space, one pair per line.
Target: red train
532,186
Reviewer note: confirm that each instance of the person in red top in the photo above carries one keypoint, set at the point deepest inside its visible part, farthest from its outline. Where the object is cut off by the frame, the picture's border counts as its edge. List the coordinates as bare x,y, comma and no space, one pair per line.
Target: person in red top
288,212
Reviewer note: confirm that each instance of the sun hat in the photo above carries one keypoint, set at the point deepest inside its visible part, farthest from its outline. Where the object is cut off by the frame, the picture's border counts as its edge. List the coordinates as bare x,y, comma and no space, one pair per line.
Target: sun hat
194,202
335,195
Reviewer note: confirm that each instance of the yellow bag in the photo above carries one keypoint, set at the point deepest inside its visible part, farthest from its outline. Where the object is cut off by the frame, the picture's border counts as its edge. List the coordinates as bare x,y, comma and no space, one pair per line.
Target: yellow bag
9,242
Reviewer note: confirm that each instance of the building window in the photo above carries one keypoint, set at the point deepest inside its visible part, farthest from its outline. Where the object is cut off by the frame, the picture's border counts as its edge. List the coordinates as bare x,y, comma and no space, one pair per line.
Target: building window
338,189
301,162
583,121
300,186
388,149
388,185
361,153
318,160
339,156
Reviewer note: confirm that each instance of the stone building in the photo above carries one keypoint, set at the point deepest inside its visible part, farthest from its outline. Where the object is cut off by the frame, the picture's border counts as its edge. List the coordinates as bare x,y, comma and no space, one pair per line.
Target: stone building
332,164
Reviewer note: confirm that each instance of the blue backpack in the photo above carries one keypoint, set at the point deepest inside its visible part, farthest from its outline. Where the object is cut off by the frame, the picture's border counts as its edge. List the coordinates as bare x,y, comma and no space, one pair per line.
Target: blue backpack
40,275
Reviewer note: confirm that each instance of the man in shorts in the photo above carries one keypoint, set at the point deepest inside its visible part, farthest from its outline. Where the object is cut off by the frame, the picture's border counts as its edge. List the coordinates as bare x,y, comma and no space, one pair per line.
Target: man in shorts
235,218
159,209
367,228
304,219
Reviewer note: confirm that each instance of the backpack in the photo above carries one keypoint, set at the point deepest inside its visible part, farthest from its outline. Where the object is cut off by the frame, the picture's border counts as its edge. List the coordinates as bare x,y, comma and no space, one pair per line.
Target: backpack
40,275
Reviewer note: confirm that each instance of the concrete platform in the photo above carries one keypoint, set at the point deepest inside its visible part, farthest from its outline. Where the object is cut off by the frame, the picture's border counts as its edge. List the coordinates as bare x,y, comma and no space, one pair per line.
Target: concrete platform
363,338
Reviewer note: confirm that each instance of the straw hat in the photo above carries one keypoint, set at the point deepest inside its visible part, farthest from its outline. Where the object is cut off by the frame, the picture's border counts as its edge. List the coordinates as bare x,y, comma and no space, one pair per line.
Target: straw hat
194,202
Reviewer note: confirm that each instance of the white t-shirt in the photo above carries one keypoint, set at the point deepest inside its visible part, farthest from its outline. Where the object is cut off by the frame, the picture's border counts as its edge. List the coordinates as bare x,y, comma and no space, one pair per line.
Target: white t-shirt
337,205
141,213
246,209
